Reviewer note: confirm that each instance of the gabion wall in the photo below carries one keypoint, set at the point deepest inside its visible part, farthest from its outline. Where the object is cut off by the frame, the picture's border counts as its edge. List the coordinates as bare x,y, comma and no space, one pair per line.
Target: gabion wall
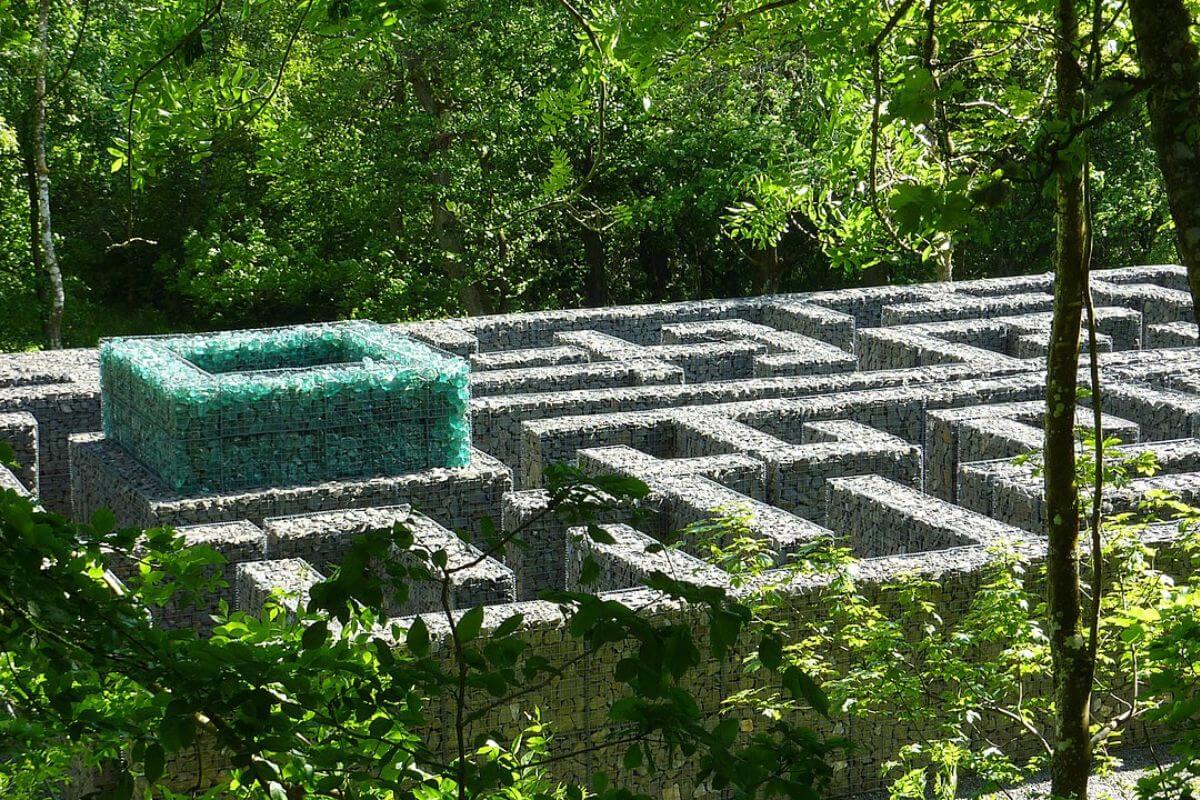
60,390
883,419
19,431
284,406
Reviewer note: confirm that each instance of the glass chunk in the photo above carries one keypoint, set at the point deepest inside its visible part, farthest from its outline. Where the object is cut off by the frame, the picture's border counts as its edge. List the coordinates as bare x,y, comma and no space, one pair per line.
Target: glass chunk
284,406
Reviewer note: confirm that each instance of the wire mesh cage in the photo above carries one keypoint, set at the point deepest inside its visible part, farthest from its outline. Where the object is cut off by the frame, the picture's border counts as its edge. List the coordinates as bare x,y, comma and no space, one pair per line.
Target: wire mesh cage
284,406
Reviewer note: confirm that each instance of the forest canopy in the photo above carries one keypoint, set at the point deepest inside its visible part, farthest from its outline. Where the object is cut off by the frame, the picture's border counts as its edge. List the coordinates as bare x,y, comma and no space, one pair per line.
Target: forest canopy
253,162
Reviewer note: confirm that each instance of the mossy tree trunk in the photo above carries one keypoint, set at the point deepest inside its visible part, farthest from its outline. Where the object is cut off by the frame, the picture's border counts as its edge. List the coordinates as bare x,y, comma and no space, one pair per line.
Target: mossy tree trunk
1169,61
1071,763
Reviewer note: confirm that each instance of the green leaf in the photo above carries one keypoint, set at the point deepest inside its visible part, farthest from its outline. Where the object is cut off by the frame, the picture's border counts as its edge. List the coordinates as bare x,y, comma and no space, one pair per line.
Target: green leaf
509,626
103,520
626,670
590,571
1133,633
803,687
176,732
470,623
725,628
599,782
598,534
726,732
633,756
315,635
770,651
418,638
620,486
402,536
153,762
265,770
559,175
913,101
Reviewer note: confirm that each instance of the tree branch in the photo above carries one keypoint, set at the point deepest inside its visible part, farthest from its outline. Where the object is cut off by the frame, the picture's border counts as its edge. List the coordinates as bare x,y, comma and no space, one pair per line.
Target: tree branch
287,54
583,23
737,19
66,70
876,109
137,82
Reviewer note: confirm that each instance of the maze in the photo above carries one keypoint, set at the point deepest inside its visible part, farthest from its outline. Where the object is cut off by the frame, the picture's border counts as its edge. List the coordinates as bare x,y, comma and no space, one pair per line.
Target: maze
884,420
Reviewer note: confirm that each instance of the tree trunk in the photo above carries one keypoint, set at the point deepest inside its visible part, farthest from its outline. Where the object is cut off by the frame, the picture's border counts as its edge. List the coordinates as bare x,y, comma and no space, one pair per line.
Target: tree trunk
1169,60
448,233
944,257
944,260
447,229
54,317
768,271
595,288
1071,762
596,283
655,264
29,167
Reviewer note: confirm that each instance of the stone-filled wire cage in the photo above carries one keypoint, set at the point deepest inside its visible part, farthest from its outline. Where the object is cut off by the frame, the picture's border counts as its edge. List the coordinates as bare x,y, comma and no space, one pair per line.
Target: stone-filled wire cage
285,406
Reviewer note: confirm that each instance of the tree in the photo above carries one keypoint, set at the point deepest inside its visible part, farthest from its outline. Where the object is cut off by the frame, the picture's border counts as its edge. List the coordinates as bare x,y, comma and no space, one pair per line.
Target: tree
1170,64
30,66
37,144
1073,669
284,169
899,96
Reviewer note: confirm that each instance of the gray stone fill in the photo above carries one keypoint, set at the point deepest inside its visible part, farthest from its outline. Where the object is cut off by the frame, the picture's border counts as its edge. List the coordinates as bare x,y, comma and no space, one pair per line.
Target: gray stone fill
19,430
883,419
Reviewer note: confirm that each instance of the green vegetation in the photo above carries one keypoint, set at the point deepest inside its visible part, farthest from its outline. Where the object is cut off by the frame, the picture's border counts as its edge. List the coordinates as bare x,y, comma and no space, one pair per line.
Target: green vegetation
238,163
323,699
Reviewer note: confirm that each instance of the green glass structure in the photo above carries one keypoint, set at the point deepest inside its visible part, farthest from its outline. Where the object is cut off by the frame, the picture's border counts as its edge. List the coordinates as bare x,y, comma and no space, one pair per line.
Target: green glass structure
285,406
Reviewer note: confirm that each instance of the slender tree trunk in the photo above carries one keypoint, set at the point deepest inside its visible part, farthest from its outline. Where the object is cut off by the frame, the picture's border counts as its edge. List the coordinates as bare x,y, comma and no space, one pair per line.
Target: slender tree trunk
54,317
1071,762
447,229
448,233
768,271
944,258
29,167
596,283
595,288
1169,60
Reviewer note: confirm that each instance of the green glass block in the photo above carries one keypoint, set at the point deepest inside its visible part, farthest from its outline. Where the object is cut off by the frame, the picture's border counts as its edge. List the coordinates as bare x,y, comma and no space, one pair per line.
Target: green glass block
285,406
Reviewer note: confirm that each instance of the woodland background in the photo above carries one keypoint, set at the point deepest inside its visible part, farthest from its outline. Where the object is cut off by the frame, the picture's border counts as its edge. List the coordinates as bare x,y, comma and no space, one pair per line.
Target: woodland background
259,162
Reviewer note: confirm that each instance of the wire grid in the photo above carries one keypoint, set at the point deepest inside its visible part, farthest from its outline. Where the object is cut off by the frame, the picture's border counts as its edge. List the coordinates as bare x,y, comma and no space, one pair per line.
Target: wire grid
285,406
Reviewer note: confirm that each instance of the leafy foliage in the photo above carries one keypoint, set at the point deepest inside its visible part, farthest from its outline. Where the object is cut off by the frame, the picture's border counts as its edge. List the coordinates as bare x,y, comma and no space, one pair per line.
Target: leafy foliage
239,163
971,681
330,698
